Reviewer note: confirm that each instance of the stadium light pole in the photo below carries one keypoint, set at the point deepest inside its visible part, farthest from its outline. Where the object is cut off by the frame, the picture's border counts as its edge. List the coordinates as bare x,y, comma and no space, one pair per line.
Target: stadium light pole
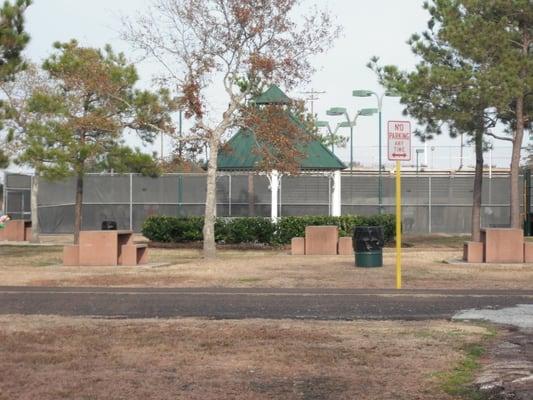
332,133
341,111
369,93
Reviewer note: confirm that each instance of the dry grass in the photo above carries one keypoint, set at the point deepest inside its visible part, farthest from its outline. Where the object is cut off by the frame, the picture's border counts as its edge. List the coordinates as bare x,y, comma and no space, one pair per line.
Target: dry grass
73,358
423,268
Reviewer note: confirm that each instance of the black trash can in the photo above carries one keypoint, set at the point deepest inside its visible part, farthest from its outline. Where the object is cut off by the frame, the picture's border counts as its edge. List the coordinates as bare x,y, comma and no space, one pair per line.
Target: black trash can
109,225
368,244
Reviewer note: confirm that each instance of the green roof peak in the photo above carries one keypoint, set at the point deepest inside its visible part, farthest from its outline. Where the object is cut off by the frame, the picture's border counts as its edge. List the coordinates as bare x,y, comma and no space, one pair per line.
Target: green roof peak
273,95
240,153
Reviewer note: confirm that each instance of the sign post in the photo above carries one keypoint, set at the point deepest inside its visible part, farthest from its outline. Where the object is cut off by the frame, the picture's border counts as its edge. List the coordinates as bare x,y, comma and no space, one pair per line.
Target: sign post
399,149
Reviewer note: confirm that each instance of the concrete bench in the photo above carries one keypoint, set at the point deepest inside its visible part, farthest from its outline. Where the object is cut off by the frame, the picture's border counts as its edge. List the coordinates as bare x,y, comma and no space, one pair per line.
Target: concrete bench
105,248
16,231
321,240
345,246
499,245
136,254
503,245
473,252
71,255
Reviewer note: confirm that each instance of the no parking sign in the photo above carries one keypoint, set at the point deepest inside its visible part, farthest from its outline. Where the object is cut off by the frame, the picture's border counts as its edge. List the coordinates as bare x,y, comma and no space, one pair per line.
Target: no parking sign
399,143
399,149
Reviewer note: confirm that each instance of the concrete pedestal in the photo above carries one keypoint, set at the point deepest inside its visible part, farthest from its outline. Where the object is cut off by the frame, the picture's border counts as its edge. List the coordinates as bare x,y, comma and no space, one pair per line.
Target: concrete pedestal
16,231
298,246
503,245
321,240
473,252
345,246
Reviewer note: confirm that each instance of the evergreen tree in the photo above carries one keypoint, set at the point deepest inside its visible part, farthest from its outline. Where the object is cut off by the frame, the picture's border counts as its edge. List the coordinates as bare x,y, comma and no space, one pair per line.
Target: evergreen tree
91,100
123,159
469,74
13,37
13,40
496,36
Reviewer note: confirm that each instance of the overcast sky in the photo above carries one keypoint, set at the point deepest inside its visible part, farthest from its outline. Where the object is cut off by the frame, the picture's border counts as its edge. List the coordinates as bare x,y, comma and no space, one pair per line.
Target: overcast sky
377,27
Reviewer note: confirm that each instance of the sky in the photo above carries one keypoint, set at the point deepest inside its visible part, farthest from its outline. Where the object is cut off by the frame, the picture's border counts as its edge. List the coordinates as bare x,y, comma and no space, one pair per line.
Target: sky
370,28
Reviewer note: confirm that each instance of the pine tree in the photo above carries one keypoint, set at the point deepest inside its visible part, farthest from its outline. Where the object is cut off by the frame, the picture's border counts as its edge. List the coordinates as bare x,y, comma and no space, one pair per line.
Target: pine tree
13,40
449,90
90,101
13,37
496,37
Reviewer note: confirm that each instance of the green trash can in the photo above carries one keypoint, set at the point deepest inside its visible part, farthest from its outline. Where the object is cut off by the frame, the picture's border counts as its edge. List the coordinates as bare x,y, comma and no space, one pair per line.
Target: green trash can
368,244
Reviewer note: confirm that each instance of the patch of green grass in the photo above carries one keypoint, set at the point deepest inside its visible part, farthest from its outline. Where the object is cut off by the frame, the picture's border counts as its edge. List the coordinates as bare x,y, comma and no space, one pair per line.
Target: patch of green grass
458,382
249,280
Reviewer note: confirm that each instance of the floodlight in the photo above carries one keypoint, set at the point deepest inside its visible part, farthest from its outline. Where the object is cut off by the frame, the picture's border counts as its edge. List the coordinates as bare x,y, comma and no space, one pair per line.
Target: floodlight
336,111
362,93
365,112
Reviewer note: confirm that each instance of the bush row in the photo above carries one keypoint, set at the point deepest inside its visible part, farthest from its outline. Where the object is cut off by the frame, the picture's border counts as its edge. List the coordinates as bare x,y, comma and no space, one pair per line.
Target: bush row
255,229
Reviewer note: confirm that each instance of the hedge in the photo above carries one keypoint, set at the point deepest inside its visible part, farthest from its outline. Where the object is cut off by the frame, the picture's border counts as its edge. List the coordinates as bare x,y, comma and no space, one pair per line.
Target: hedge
256,229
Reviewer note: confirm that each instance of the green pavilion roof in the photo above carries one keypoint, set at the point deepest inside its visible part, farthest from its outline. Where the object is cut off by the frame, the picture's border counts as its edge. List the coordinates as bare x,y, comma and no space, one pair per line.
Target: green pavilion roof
273,95
239,153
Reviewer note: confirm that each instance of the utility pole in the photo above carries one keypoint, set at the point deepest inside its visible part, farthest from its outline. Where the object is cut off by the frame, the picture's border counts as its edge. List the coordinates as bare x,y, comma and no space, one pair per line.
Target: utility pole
312,96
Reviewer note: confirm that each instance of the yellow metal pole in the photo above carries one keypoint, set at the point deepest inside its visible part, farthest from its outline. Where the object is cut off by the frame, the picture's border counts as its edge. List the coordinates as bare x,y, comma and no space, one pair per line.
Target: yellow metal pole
398,225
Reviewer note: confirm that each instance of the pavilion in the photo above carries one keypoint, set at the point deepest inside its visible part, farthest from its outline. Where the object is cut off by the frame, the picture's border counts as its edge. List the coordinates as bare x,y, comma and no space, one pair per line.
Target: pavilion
239,155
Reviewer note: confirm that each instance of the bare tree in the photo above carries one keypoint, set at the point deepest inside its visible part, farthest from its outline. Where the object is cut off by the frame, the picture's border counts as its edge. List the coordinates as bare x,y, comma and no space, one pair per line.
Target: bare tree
205,44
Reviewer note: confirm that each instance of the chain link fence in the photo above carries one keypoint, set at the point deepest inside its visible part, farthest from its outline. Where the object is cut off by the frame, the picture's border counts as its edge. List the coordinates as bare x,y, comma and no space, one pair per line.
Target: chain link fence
432,203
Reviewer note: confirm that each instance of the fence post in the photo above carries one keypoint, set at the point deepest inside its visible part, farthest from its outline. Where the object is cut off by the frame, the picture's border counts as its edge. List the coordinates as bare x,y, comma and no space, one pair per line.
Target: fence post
429,205
180,195
229,195
131,202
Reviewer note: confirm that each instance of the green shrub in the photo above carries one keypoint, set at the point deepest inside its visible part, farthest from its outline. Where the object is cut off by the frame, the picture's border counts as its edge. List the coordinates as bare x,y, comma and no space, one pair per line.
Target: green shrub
248,230
172,229
289,227
256,229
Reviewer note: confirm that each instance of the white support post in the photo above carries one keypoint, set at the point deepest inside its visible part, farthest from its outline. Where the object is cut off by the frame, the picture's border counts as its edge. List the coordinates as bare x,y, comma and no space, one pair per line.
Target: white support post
336,195
131,202
274,188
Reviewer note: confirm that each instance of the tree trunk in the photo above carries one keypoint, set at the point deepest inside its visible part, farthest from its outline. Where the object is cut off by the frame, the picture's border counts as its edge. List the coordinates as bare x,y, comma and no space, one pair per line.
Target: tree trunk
78,207
34,209
516,221
210,250
478,185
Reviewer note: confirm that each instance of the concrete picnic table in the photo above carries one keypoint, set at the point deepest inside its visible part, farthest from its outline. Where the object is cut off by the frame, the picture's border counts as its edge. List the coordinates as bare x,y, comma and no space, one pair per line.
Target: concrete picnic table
105,248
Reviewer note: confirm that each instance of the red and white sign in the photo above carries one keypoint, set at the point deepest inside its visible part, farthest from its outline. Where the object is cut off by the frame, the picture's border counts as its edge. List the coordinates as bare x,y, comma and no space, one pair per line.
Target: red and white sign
399,143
